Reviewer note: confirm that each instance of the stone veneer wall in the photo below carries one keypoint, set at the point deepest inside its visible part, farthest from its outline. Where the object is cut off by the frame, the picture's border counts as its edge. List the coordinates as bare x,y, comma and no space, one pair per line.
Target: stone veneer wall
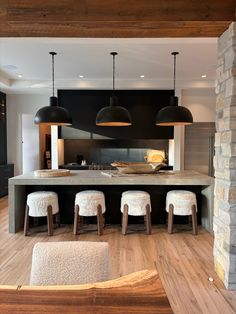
225,160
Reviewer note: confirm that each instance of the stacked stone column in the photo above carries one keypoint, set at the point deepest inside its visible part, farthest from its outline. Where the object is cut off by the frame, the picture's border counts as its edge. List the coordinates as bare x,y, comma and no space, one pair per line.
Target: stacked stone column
225,160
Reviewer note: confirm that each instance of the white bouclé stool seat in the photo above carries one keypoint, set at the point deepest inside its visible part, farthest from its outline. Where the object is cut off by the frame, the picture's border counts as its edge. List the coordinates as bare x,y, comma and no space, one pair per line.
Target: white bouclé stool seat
135,203
182,203
42,204
89,203
38,203
69,263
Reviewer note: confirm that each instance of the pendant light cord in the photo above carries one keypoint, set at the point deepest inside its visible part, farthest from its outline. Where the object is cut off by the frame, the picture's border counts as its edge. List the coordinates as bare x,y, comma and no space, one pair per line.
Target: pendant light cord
174,54
53,84
174,70
53,76
113,74
114,54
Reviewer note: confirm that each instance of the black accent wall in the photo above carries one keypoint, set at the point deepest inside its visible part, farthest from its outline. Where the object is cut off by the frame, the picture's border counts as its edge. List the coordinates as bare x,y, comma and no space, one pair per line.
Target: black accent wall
3,129
143,106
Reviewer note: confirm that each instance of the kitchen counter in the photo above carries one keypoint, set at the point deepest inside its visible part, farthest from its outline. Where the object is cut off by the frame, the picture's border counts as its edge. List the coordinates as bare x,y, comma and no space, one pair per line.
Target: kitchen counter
18,188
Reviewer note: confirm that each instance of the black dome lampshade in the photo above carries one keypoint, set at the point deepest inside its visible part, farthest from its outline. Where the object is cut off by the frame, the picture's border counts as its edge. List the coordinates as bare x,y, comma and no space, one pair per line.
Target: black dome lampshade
53,114
113,115
173,114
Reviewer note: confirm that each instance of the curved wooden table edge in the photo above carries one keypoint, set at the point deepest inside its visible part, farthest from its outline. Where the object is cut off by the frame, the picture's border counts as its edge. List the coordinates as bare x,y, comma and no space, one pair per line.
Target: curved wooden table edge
132,293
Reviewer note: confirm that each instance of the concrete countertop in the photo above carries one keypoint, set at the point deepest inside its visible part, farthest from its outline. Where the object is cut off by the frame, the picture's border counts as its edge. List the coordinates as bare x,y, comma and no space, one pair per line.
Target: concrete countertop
103,177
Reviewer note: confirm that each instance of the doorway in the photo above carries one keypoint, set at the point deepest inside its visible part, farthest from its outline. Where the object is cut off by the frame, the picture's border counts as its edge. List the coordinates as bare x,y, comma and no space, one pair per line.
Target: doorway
29,143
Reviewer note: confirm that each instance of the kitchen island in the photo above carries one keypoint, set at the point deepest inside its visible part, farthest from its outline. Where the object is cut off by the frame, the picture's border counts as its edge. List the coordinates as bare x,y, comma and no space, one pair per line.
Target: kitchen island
20,186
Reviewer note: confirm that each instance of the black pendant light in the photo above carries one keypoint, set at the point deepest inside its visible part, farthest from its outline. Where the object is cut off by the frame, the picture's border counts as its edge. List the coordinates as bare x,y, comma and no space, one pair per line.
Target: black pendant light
113,115
53,114
174,114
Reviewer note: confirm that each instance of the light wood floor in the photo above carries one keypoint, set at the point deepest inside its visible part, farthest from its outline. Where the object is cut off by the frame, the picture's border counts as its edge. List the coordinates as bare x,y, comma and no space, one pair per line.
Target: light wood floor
184,262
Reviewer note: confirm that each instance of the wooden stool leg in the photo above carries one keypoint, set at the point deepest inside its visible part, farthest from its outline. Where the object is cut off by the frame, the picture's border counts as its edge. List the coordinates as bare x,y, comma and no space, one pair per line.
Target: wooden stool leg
190,220
194,219
50,220
76,218
103,221
170,218
148,219
26,224
36,221
58,219
125,220
81,221
99,220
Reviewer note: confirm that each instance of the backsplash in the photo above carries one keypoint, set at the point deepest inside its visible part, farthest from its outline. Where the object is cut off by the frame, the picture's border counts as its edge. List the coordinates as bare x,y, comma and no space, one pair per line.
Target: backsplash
106,151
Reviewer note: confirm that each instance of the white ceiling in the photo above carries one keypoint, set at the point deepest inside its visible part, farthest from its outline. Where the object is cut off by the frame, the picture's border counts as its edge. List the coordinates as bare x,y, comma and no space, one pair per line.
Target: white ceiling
90,57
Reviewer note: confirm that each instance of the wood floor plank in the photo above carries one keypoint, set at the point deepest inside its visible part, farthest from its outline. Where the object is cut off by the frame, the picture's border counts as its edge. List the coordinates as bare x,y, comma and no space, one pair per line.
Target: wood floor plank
184,261
197,277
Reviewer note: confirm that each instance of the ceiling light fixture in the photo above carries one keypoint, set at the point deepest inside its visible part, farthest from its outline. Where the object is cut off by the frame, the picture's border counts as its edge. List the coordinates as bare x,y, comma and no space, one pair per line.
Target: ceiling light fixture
204,76
142,76
173,114
19,75
53,114
81,76
113,115
10,67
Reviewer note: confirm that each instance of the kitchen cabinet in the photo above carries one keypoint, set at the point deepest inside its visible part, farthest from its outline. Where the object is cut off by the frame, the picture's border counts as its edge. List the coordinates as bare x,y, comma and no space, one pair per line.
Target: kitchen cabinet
6,172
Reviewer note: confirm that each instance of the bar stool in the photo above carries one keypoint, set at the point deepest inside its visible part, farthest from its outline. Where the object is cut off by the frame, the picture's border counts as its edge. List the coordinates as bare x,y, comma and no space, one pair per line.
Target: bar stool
182,203
42,204
136,203
89,203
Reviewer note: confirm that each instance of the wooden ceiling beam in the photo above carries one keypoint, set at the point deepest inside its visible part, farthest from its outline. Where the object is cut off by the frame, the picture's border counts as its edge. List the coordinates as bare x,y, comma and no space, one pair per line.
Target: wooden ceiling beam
117,18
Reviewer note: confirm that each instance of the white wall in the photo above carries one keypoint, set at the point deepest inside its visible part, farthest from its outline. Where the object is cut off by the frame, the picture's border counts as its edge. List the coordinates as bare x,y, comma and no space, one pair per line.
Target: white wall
16,105
201,102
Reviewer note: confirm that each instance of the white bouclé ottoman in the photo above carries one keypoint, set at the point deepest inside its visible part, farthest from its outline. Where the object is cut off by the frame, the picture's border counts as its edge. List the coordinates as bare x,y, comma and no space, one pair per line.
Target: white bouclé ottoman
182,203
89,203
42,204
136,203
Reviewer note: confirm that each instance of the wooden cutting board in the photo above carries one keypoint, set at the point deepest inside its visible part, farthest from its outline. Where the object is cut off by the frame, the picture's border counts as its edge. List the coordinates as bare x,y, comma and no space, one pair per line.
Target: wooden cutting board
51,173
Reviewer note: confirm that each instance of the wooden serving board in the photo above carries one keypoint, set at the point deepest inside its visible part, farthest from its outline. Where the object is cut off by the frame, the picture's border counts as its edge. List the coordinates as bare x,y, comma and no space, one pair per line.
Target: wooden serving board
136,293
51,173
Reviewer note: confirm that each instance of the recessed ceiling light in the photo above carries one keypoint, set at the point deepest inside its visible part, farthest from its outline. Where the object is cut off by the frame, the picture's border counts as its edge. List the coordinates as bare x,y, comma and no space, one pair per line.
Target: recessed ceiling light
19,75
142,76
10,67
204,76
81,76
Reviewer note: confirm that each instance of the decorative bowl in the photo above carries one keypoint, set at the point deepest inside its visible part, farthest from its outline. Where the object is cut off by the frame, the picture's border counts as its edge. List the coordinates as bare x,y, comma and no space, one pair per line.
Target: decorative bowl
137,167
